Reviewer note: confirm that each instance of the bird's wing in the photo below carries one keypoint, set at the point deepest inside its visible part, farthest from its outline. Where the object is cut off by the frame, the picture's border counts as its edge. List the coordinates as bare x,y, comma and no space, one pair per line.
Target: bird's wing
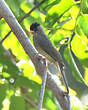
49,48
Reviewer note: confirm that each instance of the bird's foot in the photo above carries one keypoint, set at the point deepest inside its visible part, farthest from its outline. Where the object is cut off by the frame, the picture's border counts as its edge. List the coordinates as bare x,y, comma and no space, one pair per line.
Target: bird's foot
43,60
40,57
66,93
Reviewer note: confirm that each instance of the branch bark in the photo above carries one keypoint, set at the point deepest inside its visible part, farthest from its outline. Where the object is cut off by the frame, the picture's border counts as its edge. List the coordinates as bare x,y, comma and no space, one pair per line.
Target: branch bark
21,19
52,84
0,17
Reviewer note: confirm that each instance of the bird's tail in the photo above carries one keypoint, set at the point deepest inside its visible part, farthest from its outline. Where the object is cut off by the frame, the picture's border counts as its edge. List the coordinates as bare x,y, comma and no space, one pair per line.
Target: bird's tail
61,68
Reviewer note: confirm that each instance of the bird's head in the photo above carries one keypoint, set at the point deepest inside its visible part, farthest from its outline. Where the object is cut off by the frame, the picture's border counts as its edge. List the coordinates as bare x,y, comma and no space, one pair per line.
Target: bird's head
36,28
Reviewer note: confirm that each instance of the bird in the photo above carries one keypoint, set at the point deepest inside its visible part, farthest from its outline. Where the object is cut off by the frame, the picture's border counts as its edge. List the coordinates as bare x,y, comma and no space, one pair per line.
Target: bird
46,48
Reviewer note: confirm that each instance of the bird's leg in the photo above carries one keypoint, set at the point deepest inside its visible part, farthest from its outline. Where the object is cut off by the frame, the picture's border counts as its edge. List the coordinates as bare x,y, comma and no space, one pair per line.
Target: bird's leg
42,58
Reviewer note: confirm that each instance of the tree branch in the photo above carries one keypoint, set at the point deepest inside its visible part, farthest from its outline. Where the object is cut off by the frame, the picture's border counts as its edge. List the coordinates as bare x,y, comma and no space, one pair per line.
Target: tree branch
52,84
0,17
43,85
21,19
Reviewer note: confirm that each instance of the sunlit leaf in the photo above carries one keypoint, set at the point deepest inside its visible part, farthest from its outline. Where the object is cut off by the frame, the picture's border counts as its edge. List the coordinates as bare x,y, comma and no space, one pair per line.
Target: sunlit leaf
84,6
48,4
74,64
83,23
15,7
15,46
57,38
79,46
57,11
77,74
86,75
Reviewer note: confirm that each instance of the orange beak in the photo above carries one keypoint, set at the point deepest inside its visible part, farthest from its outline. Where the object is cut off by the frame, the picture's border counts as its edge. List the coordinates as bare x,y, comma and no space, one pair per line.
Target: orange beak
30,31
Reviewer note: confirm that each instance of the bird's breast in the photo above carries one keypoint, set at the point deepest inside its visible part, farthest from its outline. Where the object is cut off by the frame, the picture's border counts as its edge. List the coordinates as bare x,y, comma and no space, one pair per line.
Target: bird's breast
40,50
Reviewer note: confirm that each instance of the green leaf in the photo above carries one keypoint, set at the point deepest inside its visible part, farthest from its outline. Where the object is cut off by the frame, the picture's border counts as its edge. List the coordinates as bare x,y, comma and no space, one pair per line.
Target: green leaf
48,4
57,11
76,73
15,7
26,83
17,103
6,62
78,30
83,23
79,47
84,6
33,86
3,88
57,38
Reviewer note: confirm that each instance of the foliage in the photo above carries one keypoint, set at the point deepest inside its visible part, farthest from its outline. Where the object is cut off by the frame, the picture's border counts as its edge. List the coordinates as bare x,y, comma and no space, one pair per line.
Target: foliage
66,24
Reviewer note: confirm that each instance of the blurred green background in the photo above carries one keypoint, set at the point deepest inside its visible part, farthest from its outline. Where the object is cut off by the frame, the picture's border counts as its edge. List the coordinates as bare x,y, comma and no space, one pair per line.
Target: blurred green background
66,24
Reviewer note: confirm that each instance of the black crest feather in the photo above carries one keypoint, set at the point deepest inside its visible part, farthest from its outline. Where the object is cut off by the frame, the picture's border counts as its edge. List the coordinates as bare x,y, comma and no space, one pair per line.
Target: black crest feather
34,26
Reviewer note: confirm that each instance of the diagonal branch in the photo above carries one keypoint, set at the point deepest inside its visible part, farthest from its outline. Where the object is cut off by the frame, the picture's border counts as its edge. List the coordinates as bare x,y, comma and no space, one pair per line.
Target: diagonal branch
0,17
44,78
21,19
52,84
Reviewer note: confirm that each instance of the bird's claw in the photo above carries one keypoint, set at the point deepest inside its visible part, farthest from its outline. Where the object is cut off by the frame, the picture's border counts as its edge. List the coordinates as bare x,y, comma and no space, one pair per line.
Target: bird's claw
45,60
40,57
66,93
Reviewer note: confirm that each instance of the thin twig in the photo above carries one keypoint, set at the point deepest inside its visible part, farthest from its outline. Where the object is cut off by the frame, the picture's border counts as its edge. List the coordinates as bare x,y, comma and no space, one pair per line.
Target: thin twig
43,86
69,102
25,16
29,101
21,19
5,37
